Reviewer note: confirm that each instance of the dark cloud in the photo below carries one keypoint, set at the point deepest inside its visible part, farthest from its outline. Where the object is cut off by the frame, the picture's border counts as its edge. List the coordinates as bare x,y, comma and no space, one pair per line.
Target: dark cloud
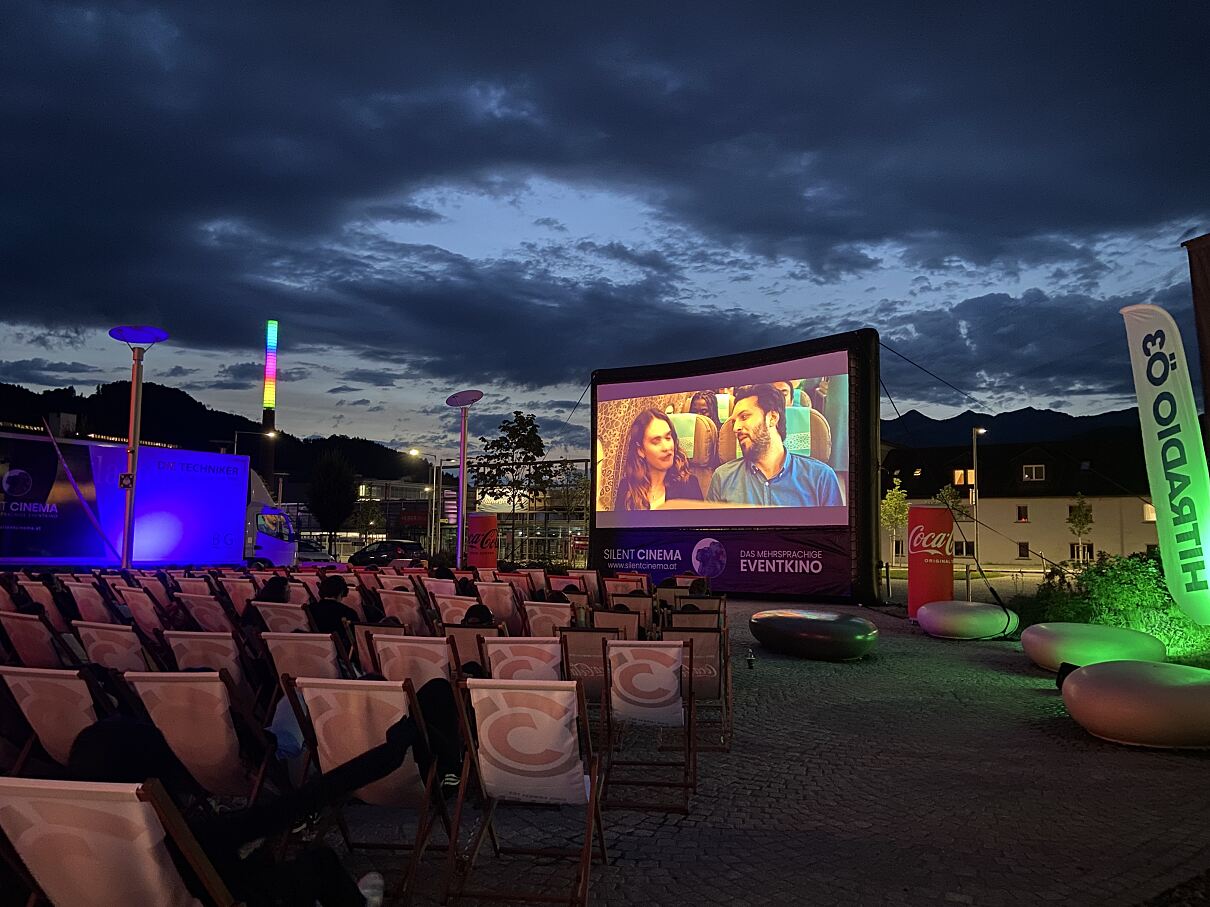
550,222
179,371
342,389
204,168
45,373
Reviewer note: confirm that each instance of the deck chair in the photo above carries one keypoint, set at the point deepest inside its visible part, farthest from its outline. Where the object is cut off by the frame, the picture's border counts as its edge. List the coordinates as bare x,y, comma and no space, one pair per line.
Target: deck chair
696,620
522,586
195,711
41,595
466,640
90,603
537,579
306,655
6,600
522,657
502,599
194,585
144,610
213,651
711,684
396,583
153,587
104,845
207,612
685,580
340,720
583,659
280,618
649,683
485,574
544,619
311,581
615,585
453,608
117,647
298,594
592,584
627,623
464,574
239,592
432,586
56,704
405,607
367,578
527,743
641,578
702,602
35,642
361,633
415,658
559,583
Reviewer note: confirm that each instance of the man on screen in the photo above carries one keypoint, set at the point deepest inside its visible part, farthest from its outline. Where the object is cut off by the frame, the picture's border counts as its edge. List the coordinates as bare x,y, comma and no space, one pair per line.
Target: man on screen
768,475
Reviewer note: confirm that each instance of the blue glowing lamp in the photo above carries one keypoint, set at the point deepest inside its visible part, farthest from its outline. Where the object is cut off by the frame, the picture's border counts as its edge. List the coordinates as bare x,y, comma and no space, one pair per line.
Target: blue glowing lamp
138,334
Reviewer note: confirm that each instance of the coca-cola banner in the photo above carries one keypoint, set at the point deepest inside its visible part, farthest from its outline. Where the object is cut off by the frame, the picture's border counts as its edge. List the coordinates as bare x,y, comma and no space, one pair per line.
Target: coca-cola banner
806,562
930,555
481,540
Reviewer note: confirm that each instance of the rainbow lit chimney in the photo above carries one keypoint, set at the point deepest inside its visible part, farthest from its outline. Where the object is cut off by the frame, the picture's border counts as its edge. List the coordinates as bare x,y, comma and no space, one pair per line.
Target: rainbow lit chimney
268,413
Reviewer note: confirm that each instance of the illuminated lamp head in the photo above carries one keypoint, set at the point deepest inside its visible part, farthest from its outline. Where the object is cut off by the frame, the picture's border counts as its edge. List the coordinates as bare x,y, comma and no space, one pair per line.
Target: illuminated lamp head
270,401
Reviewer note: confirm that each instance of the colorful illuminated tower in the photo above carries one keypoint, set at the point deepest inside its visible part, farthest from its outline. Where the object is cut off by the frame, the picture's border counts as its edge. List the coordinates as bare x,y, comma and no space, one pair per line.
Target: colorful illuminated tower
269,407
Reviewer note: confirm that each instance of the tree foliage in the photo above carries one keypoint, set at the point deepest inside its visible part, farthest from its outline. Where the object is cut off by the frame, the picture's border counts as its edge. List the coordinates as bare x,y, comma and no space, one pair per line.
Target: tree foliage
952,498
333,492
893,511
511,467
1079,521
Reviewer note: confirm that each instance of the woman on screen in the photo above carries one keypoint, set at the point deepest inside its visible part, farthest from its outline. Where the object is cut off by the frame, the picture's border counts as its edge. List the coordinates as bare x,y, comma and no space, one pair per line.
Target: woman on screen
704,403
654,470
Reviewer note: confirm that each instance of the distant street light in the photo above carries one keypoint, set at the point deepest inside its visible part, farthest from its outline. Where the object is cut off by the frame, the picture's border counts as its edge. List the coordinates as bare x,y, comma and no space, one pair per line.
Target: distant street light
975,433
140,338
264,434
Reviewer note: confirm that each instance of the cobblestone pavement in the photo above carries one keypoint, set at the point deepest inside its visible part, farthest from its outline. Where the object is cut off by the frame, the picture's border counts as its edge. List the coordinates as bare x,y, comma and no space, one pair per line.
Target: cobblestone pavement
934,772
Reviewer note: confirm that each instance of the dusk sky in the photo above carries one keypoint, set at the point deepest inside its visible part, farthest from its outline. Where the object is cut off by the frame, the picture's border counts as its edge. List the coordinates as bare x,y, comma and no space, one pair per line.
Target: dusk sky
431,197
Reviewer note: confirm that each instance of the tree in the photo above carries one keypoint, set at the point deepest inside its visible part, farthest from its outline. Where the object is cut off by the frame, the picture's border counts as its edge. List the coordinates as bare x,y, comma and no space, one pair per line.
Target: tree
953,499
333,493
511,466
368,519
1079,521
893,512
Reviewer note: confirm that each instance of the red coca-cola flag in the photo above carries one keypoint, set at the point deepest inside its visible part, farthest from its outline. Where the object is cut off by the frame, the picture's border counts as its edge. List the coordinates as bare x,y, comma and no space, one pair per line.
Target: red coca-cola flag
481,544
930,555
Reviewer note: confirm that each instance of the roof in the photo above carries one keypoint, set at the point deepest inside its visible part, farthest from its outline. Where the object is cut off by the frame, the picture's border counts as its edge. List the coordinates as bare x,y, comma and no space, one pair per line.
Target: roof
1104,467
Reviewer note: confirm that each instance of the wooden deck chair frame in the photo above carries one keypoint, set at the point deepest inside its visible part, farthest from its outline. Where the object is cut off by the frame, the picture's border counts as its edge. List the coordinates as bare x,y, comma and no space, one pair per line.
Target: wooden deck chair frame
688,763
137,592
627,623
243,720
90,611
459,868
153,651
725,702
307,624
175,828
188,601
455,669
362,649
343,664
696,620
432,802
101,706
43,598
532,610
418,617
467,652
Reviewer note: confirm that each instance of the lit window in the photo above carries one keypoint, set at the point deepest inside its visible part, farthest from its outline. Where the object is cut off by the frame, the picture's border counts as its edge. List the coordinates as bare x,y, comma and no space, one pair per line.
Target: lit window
1023,549
959,477
1034,472
1022,513
917,471
964,548
1148,513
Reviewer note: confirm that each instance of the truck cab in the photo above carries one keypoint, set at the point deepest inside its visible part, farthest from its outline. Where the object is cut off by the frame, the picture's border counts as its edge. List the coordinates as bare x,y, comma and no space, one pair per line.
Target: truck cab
269,537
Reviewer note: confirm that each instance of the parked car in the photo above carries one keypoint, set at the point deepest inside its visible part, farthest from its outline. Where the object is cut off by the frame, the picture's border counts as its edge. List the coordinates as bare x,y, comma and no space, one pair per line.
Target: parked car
310,552
382,553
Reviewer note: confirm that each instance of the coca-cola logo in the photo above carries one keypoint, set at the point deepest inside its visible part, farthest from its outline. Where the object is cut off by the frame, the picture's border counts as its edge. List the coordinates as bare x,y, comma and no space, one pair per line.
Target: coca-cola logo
482,540
921,541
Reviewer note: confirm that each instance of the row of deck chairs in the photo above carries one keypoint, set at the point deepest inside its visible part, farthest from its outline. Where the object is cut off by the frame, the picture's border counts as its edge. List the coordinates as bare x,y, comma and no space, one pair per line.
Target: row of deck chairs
646,683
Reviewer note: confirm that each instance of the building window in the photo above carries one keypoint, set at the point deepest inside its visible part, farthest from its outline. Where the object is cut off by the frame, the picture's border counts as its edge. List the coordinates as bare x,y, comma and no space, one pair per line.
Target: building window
1148,513
1022,513
898,548
964,549
1023,549
917,471
1033,472
964,477
1081,555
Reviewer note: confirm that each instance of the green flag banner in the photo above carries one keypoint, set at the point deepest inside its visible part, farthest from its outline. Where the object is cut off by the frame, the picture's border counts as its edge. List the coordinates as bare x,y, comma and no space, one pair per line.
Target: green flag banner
1176,458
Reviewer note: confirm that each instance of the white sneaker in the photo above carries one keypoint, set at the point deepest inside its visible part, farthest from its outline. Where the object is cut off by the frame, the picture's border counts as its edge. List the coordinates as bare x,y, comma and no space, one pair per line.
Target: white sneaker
373,888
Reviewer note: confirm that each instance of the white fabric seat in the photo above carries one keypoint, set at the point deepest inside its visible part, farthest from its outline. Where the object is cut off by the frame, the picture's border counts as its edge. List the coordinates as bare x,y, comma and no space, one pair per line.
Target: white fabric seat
966,620
1142,703
1050,645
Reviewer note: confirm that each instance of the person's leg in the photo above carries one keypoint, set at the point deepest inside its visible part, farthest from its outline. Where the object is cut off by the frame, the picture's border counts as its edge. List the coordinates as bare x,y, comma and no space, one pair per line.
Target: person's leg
271,818
440,711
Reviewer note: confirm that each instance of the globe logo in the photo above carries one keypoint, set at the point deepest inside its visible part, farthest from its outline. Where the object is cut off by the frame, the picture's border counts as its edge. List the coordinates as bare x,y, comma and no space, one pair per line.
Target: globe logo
709,558
17,483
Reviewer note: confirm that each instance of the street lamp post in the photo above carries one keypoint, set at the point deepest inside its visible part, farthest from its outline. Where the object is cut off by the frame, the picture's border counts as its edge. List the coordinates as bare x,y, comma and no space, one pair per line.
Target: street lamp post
975,433
264,434
139,338
463,400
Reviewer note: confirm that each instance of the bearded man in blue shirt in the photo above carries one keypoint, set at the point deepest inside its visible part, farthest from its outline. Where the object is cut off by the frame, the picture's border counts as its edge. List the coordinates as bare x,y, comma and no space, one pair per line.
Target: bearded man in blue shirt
768,475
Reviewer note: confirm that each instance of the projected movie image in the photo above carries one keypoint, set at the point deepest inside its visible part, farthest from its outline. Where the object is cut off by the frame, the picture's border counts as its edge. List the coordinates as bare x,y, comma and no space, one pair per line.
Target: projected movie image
762,446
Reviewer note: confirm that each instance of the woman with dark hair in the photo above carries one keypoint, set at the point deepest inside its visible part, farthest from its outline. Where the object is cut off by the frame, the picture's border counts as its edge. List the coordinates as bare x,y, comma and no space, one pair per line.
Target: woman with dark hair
276,590
654,469
704,403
